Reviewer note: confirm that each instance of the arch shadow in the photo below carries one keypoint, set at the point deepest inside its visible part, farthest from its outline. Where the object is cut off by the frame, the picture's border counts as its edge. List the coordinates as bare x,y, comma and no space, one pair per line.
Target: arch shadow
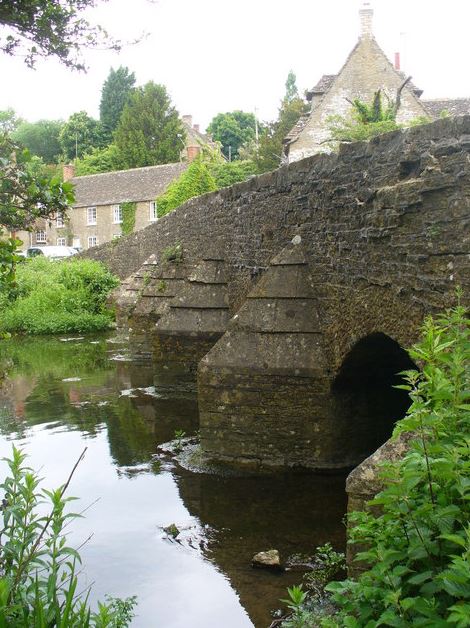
366,404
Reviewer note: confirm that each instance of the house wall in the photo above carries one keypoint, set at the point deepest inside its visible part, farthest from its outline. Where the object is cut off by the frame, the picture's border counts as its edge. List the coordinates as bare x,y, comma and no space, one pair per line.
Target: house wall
76,231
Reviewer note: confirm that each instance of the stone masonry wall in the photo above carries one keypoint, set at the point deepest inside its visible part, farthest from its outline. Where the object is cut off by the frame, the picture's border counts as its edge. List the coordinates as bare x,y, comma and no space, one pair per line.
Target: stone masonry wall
386,224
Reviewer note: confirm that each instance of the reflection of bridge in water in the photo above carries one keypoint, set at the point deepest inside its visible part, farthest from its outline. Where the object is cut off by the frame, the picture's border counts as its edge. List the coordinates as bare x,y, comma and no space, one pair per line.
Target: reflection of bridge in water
293,512
71,390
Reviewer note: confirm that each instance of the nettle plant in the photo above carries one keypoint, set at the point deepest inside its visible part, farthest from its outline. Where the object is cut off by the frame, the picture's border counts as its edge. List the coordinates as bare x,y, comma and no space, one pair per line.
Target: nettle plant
38,569
419,544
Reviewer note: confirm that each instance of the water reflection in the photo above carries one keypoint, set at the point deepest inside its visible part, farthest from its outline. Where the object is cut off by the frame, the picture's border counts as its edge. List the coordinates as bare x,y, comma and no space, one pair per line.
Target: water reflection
63,395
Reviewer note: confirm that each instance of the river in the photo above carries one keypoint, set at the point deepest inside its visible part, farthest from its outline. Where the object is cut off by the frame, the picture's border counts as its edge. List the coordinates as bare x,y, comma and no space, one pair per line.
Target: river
65,394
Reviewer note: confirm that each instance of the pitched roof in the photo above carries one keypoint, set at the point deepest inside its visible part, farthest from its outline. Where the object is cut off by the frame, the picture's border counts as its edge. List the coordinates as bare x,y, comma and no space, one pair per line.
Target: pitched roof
455,106
138,184
322,86
329,80
298,126
195,137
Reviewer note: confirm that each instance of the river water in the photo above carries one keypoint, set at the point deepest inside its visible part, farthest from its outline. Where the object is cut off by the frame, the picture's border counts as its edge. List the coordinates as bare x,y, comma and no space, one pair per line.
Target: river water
65,394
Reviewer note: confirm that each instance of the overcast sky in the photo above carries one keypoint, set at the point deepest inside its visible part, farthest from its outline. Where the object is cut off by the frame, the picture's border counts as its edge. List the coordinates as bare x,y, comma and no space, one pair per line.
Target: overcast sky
219,55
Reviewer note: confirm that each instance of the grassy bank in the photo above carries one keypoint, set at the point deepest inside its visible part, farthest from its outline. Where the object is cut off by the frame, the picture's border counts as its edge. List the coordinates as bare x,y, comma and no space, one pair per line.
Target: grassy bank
51,297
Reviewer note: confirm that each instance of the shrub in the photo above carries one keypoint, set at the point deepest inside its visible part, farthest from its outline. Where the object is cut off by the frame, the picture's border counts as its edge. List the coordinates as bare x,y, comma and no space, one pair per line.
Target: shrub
419,543
194,181
38,581
231,172
57,297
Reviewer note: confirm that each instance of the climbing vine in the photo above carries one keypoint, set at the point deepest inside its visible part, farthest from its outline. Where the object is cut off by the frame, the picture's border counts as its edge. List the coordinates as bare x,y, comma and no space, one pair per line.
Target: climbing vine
128,217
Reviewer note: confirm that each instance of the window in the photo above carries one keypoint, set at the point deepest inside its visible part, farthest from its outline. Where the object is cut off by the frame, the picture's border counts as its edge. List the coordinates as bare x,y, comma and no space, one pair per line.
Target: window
61,241
92,241
59,220
153,210
91,216
117,214
41,237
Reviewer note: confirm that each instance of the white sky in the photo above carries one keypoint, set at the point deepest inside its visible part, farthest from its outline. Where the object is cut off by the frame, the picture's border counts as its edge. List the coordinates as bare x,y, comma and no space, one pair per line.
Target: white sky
219,55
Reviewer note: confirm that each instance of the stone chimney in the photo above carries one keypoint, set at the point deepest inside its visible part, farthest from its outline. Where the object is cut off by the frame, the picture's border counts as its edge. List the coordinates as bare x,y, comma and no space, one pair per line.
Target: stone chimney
366,14
196,127
188,120
193,152
68,172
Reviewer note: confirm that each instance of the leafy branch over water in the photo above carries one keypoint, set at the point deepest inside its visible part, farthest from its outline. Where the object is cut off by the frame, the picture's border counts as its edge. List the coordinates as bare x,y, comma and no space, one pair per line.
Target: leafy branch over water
38,577
419,543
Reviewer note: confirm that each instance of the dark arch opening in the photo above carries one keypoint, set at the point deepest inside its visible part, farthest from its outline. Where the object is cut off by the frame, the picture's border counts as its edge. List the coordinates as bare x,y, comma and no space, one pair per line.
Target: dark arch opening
366,404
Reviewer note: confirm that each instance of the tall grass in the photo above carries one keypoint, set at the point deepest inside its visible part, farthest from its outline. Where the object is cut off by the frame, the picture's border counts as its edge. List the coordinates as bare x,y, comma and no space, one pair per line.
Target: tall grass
51,297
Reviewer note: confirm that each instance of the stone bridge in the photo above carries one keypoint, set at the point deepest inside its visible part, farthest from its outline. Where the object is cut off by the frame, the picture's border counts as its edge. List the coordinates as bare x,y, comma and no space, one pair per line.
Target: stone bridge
297,291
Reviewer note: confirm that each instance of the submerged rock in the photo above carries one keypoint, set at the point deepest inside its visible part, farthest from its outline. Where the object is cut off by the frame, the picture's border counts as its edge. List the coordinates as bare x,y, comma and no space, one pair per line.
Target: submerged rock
267,560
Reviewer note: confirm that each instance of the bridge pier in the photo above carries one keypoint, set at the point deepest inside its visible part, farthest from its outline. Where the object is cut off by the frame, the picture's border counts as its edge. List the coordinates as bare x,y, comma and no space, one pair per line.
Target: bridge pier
195,318
264,388
144,297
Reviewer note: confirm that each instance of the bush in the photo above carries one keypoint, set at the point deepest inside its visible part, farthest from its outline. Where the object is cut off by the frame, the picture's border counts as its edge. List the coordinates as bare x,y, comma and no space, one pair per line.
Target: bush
58,297
419,543
194,181
231,172
38,582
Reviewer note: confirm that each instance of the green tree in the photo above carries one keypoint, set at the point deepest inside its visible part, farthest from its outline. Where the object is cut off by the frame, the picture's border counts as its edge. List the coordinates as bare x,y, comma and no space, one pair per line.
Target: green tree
194,181
270,152
43,28
99,160
232,130
25,196
228,173
114,95
79,135
9,121
41,138
292,91
149,131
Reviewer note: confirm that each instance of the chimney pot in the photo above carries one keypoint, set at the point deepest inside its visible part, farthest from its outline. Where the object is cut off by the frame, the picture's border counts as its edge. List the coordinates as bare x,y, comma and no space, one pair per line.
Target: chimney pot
397,61
193,152
68,172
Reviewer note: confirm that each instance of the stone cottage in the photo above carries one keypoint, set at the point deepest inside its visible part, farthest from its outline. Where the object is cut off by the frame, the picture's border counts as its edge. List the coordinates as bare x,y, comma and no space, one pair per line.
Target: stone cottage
98,212
366,70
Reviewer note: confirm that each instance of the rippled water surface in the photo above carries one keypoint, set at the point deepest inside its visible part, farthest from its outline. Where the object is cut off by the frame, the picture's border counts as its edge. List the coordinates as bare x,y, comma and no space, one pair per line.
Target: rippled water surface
66,394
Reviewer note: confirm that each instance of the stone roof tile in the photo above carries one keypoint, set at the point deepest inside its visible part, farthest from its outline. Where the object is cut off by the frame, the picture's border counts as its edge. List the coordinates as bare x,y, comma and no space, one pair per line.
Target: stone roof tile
322,86
138,184
455,106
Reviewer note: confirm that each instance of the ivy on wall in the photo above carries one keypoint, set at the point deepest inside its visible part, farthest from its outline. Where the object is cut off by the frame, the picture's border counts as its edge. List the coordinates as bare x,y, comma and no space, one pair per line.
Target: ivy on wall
128,217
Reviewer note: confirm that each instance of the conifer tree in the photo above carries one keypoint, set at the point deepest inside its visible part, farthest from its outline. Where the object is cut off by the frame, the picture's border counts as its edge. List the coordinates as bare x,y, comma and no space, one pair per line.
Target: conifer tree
292,107
149,131
114,94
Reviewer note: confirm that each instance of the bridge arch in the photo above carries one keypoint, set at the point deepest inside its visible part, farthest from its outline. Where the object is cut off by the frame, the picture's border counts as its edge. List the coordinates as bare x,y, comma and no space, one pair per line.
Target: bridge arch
365,403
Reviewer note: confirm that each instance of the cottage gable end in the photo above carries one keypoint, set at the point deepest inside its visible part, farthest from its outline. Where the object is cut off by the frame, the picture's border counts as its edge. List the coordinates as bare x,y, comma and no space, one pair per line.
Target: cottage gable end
366,70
